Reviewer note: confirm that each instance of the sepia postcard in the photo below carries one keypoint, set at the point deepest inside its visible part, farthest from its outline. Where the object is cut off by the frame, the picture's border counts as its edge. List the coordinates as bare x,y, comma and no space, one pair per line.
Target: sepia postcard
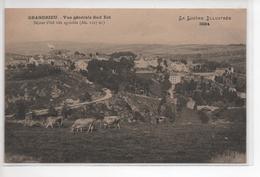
148,86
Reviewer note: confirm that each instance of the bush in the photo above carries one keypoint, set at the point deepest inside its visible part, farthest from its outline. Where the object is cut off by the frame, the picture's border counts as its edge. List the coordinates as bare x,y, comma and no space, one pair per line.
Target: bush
229,157
52,111
35,72
111,74
21,109
203,117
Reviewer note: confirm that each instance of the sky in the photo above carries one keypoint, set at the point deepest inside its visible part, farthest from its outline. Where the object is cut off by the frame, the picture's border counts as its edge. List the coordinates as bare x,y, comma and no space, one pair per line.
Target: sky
129,26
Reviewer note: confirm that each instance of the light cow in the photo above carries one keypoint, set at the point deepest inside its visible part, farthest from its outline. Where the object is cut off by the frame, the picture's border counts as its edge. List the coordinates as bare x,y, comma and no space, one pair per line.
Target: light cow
81,124
33,123
52,121
30,122
111,121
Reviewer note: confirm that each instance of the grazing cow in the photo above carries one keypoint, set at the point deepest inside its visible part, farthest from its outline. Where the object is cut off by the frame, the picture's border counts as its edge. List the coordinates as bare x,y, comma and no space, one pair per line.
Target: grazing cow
100,122
81,124
51,121
33,123
27,121
111,120
30,122
37,123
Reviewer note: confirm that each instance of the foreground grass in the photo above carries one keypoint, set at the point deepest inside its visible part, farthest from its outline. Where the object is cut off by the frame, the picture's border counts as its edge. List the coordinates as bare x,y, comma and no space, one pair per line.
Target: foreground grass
229,157
133,143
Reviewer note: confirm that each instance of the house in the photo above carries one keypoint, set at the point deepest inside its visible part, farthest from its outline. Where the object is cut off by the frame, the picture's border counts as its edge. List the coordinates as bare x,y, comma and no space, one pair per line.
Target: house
32,60
196,66
178,67
50,61
151,62
141,63
81,65
207,107
39,58
145,63
191,104
221,71
13,61
190,63
241,95
98,57
208,75
232,89
230,70
175,79
71,101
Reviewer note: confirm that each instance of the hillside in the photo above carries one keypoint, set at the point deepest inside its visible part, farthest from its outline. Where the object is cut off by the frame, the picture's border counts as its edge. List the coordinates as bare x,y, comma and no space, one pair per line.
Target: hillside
41,91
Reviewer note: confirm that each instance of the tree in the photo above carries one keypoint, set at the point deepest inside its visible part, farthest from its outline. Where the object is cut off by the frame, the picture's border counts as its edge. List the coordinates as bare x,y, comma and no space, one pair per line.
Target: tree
181,102
159,61
165,63
34,116
123,54
170,111
197,96
85,97
111,74
165,84
72,66
65,111
31,66
183,61
52,111
159,68
21,109
204,117
76,53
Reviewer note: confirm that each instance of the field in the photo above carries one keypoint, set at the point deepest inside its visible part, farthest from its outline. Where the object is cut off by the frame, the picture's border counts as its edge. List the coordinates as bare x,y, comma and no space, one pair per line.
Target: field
133,143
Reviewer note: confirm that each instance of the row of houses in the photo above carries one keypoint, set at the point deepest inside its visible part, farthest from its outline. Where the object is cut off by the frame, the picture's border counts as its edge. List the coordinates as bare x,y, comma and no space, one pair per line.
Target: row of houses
179,71
60,60
147,63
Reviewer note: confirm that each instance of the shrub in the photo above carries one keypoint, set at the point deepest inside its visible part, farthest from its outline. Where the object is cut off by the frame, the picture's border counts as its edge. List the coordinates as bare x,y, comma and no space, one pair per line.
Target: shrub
21,109
35,72
203,117
229,157
52,111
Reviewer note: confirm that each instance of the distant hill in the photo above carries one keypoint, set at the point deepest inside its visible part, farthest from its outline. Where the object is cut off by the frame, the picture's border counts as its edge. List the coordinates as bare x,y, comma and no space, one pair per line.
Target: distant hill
190,50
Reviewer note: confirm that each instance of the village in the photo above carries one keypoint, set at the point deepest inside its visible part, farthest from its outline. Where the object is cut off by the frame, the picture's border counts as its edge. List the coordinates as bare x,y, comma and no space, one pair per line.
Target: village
188,78
135,90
